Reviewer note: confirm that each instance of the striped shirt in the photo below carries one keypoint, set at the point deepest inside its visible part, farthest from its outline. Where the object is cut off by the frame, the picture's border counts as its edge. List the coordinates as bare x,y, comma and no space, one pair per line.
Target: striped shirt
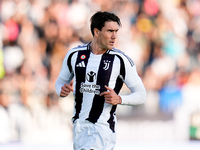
91,73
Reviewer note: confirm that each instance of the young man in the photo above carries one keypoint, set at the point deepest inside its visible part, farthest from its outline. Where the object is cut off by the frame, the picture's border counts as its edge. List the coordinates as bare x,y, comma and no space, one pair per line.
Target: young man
99,70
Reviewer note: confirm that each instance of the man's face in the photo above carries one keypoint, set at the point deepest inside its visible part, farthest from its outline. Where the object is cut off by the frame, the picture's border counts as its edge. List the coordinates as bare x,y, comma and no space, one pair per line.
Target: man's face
108,35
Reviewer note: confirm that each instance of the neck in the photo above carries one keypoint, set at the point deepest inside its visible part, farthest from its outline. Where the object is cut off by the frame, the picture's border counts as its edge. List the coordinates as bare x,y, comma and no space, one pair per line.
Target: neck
96,49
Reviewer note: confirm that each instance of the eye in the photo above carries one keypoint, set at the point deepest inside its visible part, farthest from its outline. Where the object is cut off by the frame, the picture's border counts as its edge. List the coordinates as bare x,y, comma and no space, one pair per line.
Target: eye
111,31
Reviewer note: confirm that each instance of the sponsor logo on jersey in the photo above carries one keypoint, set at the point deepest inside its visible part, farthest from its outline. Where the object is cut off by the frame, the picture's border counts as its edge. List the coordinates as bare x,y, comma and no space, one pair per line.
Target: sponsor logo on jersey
90,88
81,64
91,76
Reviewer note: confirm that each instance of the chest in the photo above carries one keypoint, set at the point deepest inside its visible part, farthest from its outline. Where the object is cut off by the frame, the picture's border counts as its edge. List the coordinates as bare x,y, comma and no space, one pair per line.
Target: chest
92,67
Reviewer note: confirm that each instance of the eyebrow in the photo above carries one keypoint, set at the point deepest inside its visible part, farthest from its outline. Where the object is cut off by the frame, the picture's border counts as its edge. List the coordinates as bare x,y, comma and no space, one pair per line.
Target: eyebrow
113,30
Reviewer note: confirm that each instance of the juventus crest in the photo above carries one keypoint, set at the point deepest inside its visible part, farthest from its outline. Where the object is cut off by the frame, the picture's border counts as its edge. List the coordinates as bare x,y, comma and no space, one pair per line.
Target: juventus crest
107,64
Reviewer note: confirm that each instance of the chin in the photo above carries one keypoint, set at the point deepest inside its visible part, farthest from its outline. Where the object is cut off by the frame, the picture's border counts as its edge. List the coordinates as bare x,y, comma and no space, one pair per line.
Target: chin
110,47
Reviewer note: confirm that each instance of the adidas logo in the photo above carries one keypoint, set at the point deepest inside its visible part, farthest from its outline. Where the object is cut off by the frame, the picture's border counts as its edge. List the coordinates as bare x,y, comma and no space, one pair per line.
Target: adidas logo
81,64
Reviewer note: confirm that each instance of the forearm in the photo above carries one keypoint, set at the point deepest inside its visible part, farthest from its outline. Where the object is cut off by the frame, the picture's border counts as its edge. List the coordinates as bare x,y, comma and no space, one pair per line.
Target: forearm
137,96
59,84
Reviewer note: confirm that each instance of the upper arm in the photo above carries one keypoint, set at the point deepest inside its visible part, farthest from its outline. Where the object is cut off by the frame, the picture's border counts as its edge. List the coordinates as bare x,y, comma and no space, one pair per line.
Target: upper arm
131,79
66,74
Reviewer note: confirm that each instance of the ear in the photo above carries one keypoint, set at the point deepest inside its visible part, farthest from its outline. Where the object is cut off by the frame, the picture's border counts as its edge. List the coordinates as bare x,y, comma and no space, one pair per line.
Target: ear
96,32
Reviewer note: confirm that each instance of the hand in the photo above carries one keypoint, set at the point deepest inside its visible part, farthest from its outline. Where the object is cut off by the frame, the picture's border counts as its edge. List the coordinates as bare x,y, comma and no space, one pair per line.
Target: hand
111,97
66,89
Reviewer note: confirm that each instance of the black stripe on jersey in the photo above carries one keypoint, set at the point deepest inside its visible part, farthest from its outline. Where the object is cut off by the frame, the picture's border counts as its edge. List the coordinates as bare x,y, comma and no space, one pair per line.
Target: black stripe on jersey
80,72
69,62
122,68
111,119
102,80
118,86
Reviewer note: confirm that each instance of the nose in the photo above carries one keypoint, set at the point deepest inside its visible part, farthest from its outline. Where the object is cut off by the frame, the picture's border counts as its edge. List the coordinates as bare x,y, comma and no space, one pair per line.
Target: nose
114,35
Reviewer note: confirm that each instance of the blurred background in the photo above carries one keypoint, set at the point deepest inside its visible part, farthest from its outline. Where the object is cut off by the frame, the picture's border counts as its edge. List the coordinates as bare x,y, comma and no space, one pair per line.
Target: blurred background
161,36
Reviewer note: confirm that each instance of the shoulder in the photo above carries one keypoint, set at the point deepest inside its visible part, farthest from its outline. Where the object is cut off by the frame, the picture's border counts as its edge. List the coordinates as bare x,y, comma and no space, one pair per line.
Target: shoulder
116,51
73,51
121,55
78,48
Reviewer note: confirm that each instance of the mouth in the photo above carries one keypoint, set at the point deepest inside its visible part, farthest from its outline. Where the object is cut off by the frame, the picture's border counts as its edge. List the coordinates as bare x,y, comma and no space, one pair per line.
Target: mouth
112,43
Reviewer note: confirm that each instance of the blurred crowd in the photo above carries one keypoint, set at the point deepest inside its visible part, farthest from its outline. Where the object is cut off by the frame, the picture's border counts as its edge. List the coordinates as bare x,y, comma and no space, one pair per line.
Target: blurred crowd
161,36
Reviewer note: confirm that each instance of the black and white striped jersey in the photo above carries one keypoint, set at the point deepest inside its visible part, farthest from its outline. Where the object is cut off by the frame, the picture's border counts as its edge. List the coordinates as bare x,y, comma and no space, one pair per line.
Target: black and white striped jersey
91,73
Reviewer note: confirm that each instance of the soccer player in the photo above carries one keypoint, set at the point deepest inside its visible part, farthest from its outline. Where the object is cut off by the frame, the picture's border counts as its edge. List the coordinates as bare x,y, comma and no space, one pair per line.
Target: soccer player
99,71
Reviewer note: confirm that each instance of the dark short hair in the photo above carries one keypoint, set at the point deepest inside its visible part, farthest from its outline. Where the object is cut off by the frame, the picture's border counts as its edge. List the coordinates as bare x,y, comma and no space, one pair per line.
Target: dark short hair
99,18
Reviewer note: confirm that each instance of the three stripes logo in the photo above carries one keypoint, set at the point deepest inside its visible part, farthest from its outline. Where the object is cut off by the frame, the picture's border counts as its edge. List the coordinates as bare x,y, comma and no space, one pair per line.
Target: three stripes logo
81,64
